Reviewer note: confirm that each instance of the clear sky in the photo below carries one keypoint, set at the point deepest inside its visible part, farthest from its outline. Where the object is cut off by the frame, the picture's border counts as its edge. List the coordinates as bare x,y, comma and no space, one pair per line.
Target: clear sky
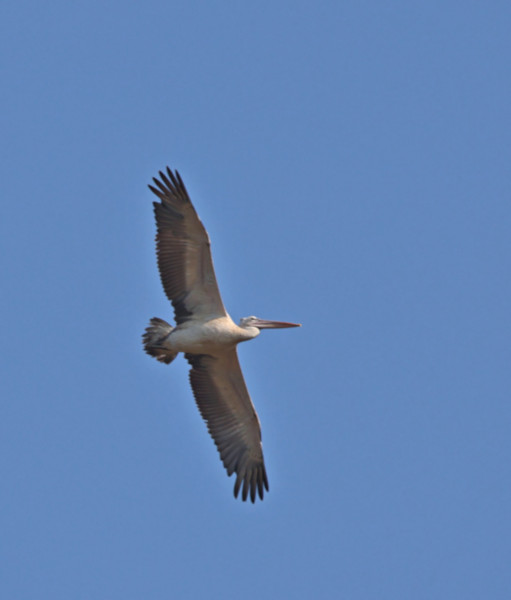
351,161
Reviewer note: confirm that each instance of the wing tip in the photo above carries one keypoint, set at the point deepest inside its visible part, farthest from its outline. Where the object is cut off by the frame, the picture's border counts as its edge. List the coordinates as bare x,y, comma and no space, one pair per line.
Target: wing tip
252,484
169,186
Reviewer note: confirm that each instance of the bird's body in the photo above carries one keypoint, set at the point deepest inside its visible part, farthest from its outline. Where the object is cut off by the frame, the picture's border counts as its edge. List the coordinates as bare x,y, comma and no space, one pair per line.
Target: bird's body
207,336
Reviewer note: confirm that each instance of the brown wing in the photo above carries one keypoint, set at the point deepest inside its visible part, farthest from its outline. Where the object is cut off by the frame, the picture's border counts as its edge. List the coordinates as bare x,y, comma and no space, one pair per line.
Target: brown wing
183,250
225,405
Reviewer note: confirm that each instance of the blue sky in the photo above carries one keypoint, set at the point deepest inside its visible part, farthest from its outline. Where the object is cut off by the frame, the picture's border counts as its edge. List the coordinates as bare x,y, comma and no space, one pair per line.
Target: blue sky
351,163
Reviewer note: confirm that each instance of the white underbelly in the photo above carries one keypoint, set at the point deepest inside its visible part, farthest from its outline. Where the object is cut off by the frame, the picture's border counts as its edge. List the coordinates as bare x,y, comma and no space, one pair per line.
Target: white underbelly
212,337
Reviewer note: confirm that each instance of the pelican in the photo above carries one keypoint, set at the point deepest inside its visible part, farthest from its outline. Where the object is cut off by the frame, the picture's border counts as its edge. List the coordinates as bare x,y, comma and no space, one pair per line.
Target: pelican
207,335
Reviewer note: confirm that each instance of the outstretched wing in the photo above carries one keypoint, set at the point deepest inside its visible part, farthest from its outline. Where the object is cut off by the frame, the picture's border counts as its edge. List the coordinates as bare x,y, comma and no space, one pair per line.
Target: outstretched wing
225,405
183,251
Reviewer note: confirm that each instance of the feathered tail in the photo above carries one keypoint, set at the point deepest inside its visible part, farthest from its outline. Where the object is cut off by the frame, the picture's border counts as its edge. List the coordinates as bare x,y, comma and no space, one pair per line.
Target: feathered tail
154,335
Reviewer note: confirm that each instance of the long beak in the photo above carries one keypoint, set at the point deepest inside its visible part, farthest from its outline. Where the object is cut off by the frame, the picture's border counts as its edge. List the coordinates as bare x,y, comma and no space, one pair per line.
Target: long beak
263,324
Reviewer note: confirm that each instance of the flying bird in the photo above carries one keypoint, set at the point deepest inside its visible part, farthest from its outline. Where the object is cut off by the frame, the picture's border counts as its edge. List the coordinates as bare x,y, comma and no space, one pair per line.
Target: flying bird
207,335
